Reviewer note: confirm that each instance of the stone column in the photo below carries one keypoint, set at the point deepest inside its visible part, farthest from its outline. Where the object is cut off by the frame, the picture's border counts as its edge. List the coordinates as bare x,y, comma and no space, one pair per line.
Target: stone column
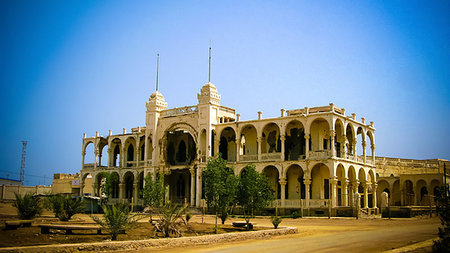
83,154
333,182
216,145
366,195
374,195
373,153
364,151
307,182
259,140
123,159
307,145
96,191
333,148
238,147
135,192
345,192
95,159
198,192
110,158
355,156
282,139
192,195
283,182
121,190
100,159
354,190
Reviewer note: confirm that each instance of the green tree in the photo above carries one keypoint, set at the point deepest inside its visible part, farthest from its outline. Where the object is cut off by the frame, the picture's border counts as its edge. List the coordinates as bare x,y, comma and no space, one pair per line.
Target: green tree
27,206
154,191
110,179
64,206
220,187
254,191
117,219
443,211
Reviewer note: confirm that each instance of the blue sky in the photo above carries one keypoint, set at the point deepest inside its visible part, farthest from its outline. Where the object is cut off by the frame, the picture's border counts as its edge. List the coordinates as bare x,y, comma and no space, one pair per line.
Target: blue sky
69,67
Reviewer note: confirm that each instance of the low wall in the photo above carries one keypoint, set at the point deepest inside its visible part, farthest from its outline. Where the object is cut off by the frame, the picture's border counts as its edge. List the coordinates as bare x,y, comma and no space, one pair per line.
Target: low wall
7,192
155,243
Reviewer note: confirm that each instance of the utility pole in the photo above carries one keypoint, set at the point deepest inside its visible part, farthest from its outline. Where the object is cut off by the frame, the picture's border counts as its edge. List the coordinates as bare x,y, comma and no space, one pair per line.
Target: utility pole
22,163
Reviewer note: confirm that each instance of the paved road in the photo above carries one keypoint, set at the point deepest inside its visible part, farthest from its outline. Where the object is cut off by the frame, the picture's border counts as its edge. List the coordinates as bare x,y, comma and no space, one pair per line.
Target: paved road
370,240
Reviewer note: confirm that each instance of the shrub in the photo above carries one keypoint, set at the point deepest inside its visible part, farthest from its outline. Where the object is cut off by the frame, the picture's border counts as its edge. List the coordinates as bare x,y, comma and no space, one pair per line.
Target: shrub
27,206
64,206
171,220
443,210
117,218
295,215
276,220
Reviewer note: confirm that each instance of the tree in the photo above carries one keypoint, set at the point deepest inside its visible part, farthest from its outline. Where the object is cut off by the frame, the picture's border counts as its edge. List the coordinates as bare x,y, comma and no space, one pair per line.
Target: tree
64,206
154,190
220,187
27,206
117,219
443,210
254,191
110,179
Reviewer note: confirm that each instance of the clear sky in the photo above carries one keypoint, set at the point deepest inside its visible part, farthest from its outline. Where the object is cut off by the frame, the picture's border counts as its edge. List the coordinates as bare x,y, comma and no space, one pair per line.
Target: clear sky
69,67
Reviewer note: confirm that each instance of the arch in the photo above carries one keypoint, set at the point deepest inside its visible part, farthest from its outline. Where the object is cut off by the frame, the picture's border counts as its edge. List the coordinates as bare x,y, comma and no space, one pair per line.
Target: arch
371,178
100,181
274,176
180,147
149,148
434,187
339,138
362,175
360,141
182,126
128,180
341,177
320,182
115,179
116,147
295,182
396,193
351,137
271,142
227,144
383,186
89,158
87,184
422,193
142,148
320,135
248,142
295,143
408,192
130,155
141,184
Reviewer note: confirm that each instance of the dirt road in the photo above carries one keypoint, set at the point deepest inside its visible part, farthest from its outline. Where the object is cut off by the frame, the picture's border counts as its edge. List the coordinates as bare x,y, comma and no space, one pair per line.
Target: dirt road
335,236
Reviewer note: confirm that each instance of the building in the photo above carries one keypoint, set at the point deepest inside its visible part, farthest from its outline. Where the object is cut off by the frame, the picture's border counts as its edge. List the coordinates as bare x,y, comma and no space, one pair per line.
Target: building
8,181
310,154
70,184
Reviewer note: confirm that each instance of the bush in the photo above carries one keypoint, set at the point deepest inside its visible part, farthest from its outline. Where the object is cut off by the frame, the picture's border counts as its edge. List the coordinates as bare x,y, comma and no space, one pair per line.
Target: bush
171,220
276,220
443,210
27,206
64,206
117,218
295,215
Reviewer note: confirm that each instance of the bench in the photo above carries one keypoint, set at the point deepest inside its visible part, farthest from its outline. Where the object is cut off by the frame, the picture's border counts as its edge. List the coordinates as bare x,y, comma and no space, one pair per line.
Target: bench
45,228
243,224
14,224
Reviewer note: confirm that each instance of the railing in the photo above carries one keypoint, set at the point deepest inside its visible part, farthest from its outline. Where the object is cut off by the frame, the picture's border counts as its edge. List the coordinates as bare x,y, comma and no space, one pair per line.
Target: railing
141,163
350,157
130,164
295,203
179,111
369,159
149,162
319,154
318,202
88,166
271,156
360,159
246,158
227,109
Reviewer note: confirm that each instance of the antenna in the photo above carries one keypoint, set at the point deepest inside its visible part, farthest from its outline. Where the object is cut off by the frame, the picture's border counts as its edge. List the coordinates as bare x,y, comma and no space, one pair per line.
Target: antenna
22,164
157,70
209,72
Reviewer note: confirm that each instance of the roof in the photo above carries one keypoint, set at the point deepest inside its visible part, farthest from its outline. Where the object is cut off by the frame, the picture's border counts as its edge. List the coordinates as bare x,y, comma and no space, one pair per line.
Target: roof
9,179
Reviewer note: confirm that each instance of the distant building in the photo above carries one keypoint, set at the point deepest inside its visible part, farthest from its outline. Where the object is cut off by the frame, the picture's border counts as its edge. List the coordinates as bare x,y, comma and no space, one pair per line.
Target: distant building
8,181
68,184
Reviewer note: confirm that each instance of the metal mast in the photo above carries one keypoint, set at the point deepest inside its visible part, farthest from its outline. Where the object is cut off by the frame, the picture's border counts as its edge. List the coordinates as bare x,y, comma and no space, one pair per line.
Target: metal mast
22,164
157,70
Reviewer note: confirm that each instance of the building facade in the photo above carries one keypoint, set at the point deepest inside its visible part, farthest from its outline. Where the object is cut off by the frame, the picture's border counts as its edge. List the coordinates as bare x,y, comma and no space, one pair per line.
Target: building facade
310,154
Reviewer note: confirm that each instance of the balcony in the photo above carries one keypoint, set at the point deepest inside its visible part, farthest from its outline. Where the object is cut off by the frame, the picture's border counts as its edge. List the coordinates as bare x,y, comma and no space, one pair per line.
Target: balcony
88,166
248,158
319,154
271,157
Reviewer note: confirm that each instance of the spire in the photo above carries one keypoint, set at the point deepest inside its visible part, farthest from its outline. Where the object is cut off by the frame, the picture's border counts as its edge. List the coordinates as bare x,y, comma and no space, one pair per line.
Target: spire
157,70
209,72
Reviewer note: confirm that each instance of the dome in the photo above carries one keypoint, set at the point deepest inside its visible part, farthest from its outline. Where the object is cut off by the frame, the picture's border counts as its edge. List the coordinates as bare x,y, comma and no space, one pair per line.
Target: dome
208,94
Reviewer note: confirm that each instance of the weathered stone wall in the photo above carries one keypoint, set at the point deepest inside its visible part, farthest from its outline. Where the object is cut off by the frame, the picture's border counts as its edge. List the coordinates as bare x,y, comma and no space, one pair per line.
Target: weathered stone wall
386,166
7,192
155,243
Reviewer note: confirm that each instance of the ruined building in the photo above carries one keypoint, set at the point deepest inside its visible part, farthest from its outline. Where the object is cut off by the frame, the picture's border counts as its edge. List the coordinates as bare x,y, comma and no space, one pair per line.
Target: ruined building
310,154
